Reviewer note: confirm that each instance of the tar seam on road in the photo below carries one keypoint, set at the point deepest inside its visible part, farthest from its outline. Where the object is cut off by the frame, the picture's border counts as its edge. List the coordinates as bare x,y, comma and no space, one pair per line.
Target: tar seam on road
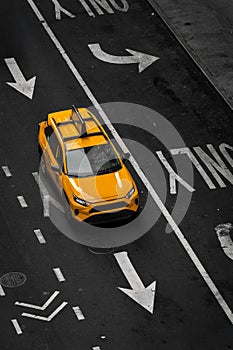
149,187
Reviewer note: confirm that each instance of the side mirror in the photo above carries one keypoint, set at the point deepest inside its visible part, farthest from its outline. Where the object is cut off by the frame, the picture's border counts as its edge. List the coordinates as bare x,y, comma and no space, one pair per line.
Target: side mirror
125,156
56,168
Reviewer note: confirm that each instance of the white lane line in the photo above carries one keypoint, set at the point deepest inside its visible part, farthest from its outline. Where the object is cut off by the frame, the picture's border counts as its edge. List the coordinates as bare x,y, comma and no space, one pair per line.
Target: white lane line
17,326
22,201
43,307
2,293
59,274
39,236
149,187
96,348
46,198
6,171
78,313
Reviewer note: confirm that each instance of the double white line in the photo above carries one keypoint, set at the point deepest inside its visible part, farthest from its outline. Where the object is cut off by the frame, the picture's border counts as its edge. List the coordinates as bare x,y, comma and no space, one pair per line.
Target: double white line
149,187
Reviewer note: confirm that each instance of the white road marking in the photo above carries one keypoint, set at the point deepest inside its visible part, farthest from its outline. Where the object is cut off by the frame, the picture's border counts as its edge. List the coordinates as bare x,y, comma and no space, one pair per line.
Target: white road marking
223,233
22,201
16,326
59,9
50,317
173,177
78,313
2,293
46,198
104,5
96,348
43,307
39,236
6,171
144,60
59,274
140,294
213,166
222,148
87,8
187,151
25,87
219,298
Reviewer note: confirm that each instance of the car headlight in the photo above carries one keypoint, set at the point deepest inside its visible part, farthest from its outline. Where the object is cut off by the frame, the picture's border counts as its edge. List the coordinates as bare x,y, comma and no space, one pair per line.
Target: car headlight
130,193
80,200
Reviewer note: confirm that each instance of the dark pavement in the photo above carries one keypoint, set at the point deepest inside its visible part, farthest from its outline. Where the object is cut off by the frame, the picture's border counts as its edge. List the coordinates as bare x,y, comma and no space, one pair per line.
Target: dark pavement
186,313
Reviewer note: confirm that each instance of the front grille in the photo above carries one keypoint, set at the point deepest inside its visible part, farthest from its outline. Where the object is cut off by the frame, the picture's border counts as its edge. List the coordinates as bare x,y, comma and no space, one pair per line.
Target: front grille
106,207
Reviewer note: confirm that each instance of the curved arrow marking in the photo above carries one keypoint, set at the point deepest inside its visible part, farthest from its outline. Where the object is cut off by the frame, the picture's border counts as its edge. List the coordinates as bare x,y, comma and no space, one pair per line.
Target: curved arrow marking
144,60
139,293
25,87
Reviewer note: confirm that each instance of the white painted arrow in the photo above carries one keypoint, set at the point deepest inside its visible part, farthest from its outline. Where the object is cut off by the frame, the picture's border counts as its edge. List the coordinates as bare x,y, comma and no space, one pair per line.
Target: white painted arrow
142,295
144,60
25,87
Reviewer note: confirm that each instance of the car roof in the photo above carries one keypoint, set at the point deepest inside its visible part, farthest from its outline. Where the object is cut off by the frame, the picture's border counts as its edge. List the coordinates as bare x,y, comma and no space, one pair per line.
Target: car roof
78,128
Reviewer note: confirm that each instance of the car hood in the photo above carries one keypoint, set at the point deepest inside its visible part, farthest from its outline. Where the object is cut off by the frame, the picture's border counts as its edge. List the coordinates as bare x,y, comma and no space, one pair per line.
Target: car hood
102,187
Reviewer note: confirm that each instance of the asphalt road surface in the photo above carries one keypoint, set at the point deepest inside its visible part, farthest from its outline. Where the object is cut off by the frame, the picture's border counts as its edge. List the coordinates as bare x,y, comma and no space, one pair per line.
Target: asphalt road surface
190,306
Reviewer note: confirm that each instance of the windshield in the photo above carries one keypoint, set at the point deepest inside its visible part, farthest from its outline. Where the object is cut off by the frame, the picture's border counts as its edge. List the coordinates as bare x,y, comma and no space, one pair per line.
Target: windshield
96,160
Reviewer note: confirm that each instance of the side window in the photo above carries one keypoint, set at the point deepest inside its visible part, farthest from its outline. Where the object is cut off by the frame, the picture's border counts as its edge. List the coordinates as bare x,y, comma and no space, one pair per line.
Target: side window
53,144
59,156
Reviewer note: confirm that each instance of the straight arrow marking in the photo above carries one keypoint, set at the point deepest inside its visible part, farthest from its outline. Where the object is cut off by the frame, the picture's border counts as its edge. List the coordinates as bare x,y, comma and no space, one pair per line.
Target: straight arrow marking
50,317
139,293
144,60
43,307
25,87
128,270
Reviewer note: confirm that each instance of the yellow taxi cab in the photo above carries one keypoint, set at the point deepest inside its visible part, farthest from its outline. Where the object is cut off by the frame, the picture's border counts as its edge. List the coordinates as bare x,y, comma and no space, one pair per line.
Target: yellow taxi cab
86,167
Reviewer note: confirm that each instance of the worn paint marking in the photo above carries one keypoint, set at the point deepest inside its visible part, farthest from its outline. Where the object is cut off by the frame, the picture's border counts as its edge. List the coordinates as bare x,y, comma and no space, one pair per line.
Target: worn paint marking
59,274
78,313
17,326
22,201
39,236
6,171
